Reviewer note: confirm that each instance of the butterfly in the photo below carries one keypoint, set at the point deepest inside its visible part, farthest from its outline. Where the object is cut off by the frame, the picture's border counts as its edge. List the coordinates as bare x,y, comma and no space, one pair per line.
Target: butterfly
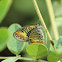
31,33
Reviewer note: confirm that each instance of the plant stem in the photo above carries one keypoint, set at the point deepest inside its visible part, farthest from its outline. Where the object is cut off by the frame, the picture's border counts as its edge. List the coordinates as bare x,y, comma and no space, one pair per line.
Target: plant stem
41,18
52,18
20,58
5,57
43,23
23,58
16,54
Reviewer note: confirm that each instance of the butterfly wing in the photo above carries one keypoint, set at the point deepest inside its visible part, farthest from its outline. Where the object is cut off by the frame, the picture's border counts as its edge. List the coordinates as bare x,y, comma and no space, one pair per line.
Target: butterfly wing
21,33
36,36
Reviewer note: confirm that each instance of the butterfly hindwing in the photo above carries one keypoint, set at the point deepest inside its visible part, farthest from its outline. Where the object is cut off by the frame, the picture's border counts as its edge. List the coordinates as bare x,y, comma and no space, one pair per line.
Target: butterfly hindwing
36,35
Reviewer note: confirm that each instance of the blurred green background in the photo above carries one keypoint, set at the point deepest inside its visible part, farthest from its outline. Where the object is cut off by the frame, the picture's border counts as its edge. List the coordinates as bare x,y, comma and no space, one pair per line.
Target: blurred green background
23,13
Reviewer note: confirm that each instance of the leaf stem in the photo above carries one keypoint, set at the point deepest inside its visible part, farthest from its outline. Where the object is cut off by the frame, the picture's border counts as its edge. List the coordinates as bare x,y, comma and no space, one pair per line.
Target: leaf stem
43,23
20,58
52,18
5,57
23,58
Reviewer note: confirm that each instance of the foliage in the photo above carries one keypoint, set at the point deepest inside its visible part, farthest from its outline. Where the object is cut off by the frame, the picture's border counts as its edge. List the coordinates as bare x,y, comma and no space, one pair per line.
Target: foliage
4,35
23,13
53,57
37,50
4,7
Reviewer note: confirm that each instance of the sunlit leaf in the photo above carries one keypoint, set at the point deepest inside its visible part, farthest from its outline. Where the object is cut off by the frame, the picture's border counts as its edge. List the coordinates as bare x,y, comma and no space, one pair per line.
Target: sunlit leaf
53,57
37,50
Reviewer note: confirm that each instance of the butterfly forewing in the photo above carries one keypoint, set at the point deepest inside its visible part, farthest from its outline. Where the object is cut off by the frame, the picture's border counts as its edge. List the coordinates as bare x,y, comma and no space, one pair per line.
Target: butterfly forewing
21,33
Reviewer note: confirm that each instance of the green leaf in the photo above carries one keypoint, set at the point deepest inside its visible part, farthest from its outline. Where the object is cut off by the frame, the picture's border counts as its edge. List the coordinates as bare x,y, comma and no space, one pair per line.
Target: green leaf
37,50
13,59
53,57
4,35
59,42
57,6
59,25
59,46
4,7
59,50
14,45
